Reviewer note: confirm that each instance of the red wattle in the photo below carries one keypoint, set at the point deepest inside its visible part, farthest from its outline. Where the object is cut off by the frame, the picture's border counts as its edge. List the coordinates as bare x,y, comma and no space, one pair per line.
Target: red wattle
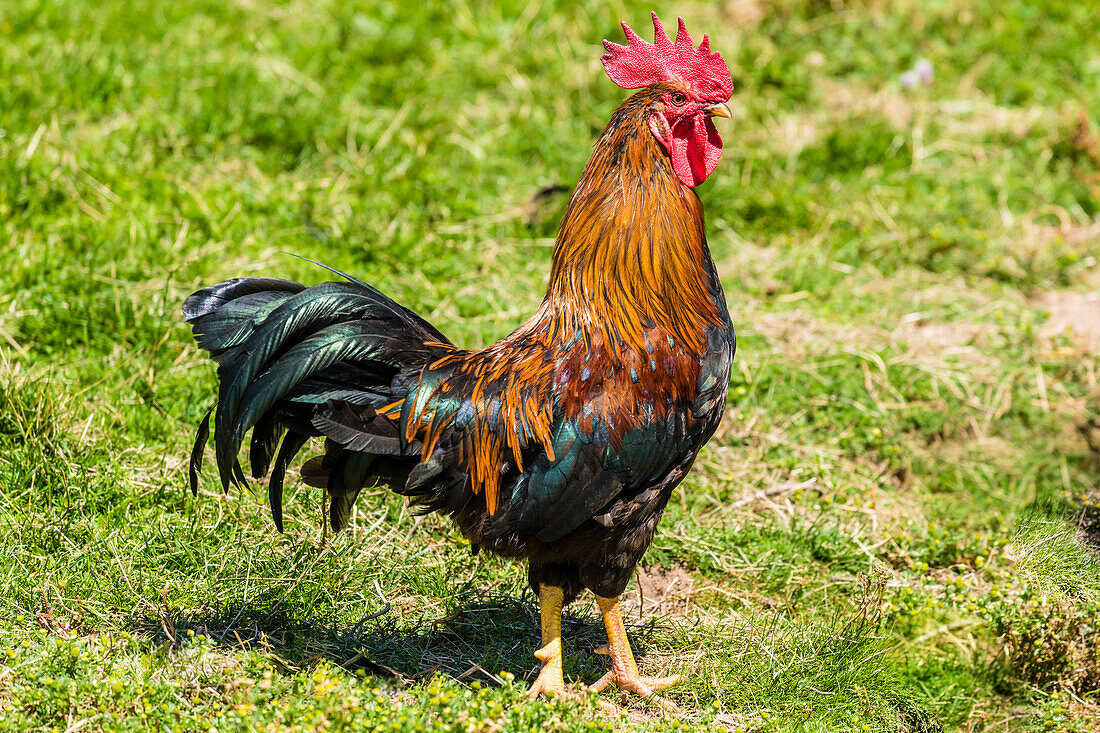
695,148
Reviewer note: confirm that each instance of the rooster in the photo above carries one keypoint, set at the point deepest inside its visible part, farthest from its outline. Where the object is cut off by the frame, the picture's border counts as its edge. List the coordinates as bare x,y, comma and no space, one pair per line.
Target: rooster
560,444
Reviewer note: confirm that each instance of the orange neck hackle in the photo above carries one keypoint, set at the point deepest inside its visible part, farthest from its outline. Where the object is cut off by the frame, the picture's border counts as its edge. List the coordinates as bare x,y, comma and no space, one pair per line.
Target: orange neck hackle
631,254
622,329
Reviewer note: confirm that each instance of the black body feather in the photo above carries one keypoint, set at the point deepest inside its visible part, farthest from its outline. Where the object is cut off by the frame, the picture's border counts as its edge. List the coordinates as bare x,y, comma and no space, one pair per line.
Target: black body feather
297,363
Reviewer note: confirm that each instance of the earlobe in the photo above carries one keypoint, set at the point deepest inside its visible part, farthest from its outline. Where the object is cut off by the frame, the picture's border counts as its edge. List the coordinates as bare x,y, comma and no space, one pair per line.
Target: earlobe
659,126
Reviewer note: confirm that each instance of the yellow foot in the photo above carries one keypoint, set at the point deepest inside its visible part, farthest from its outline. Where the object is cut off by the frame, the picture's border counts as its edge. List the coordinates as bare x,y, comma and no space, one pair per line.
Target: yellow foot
547,686
637,683
642,686
550,681
624,672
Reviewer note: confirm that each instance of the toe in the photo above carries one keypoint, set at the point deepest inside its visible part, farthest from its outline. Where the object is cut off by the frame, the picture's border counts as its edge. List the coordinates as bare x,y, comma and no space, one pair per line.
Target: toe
645,687
548,685
538,689
601,684
661,683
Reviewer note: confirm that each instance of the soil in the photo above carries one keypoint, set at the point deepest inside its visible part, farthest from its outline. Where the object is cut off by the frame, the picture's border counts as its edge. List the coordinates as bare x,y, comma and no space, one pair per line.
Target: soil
1076,315
659,591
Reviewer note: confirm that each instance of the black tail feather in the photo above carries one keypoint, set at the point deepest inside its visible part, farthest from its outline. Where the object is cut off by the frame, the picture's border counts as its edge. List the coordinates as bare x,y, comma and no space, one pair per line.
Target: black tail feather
213,298
322,326
362,429
238,474
201,436
265,438
296,362
344,486
292,443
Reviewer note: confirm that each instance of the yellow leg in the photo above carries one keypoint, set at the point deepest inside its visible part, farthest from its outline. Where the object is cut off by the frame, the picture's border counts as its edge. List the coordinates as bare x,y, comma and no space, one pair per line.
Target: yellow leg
550,681
624,672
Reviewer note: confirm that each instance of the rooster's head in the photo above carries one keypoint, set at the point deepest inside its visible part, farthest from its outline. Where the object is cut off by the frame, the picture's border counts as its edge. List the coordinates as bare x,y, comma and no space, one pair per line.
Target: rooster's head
690,85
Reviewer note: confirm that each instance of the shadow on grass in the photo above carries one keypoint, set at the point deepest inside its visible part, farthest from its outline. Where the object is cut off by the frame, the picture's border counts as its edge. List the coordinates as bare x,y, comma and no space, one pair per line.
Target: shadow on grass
480,638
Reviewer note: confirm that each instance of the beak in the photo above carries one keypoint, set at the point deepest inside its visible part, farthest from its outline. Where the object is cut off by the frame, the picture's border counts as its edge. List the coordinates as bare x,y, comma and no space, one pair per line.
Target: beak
718,110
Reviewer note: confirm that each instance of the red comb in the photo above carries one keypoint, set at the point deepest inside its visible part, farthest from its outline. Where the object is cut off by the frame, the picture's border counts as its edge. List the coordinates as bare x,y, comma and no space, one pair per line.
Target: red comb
639,64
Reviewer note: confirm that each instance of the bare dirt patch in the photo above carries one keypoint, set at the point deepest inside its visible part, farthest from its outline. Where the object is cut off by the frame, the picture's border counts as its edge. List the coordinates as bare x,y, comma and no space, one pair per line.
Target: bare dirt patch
941,338
802,333
659,590
1073,314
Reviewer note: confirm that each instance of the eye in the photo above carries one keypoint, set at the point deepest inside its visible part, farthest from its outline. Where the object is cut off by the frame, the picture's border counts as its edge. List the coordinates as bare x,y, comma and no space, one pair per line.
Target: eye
678,98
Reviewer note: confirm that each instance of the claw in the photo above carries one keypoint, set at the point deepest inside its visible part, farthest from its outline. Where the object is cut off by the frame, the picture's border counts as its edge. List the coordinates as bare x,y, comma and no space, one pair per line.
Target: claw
547,653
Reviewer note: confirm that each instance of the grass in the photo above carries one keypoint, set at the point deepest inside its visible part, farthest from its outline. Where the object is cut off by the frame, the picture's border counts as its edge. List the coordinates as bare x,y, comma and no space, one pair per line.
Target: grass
895,528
